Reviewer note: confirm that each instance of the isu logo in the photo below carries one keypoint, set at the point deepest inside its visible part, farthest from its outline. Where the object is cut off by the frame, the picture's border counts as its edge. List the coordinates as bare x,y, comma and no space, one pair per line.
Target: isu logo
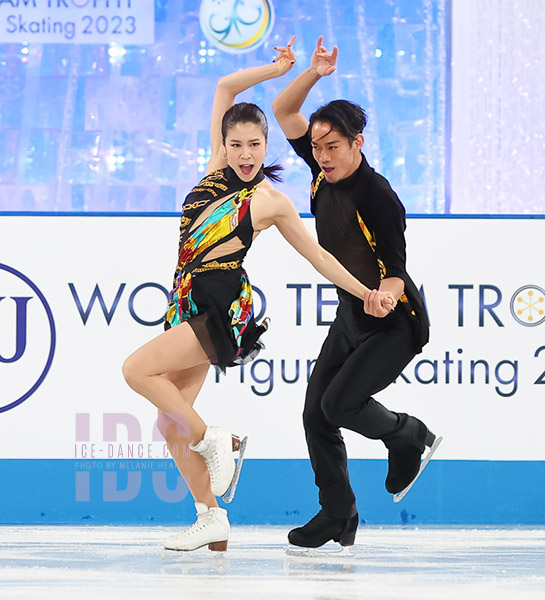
528,305
27,337
236,26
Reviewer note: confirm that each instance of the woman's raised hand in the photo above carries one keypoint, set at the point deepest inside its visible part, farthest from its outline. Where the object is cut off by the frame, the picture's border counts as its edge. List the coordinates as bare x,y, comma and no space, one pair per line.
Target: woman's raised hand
322,61
286,59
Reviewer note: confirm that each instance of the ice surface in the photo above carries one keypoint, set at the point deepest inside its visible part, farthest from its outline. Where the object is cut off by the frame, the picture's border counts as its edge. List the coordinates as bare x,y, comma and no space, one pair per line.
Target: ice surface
394,562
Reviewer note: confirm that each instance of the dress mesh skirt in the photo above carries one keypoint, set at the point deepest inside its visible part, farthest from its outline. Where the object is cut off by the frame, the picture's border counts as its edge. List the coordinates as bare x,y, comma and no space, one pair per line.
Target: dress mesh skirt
214,292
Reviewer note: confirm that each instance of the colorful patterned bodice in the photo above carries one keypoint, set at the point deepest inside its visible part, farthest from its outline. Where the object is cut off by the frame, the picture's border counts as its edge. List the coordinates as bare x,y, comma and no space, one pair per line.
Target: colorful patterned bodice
215,234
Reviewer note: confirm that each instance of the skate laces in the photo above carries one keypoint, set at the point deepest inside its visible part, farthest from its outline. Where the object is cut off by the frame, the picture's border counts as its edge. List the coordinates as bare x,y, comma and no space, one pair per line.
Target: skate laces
203,520
212,464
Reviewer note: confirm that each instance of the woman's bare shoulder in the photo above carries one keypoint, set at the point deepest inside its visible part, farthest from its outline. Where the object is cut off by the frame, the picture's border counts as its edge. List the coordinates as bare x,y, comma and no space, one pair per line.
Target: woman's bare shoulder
267,190
268,204
272,201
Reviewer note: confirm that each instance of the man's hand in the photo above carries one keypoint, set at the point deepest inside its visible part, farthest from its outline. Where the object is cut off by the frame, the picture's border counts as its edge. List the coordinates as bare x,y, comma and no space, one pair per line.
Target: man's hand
286,59
322,61
379,304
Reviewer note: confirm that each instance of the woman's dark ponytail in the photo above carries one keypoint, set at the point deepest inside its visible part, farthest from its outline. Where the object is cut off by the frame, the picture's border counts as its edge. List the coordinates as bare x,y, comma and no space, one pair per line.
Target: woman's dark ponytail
272,172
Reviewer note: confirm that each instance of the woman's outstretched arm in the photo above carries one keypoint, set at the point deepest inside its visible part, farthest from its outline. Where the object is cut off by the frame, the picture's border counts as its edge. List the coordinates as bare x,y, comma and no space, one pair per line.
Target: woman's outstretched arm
231,85
289,223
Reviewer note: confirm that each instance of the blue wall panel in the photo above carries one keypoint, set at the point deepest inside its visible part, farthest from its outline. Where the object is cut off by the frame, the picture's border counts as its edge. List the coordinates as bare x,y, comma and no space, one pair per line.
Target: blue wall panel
277,492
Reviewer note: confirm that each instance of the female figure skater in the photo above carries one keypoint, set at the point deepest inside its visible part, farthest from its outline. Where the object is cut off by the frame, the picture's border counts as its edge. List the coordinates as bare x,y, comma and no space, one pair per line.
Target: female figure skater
210,316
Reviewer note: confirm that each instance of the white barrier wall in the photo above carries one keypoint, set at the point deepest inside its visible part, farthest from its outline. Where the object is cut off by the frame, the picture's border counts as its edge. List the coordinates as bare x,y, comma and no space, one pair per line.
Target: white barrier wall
480,382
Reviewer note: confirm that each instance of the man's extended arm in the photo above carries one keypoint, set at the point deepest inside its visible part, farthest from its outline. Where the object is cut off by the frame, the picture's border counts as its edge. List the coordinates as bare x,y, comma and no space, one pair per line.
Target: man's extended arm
287,106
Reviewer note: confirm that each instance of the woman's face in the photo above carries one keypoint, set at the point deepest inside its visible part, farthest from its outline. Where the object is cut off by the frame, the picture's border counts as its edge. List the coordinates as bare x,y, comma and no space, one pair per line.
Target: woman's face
246,147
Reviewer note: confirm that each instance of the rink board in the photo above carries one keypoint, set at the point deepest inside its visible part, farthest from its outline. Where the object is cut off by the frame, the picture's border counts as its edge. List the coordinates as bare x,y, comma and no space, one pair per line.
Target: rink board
276,492
79,293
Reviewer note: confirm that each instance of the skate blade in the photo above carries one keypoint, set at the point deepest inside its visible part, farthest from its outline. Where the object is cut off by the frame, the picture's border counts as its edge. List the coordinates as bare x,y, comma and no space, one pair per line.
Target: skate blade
399,496
332,551
192,556
230,493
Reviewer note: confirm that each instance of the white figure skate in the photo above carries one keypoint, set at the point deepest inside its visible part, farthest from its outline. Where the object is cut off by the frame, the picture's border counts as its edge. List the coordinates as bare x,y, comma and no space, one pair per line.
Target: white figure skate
211,529
217,447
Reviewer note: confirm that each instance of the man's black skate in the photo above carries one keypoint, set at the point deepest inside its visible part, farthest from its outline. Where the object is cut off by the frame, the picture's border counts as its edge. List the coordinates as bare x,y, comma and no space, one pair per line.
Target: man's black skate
404,464
323,528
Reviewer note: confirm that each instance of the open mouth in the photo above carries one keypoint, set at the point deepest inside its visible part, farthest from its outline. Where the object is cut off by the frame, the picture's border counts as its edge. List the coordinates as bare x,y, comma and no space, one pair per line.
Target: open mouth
328,170
246,169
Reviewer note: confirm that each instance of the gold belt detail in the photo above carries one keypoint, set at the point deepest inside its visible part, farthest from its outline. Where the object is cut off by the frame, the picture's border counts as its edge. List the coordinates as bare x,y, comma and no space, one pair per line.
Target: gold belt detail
214,264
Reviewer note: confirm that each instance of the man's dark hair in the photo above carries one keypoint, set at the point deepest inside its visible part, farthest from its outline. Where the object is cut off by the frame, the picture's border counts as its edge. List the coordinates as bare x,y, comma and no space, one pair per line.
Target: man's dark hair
245,112
348,118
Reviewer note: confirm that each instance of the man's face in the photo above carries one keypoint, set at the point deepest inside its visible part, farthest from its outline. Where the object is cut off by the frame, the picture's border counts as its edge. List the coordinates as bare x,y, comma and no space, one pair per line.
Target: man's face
337,156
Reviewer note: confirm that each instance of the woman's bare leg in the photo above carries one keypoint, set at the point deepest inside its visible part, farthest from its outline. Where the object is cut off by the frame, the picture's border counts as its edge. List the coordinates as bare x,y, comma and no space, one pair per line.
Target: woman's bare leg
177,349
193,469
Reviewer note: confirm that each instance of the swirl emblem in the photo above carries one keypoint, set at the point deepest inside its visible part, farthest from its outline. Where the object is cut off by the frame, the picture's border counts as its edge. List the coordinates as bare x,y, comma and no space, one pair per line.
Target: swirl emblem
236,26
528,305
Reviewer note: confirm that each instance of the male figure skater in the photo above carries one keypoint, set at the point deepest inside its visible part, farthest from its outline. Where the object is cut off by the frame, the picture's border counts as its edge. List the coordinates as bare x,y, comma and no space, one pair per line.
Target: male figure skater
360,220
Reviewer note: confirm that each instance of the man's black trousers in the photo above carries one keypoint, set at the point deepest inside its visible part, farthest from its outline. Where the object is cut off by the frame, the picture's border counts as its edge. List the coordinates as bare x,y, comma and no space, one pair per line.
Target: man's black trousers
359,357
